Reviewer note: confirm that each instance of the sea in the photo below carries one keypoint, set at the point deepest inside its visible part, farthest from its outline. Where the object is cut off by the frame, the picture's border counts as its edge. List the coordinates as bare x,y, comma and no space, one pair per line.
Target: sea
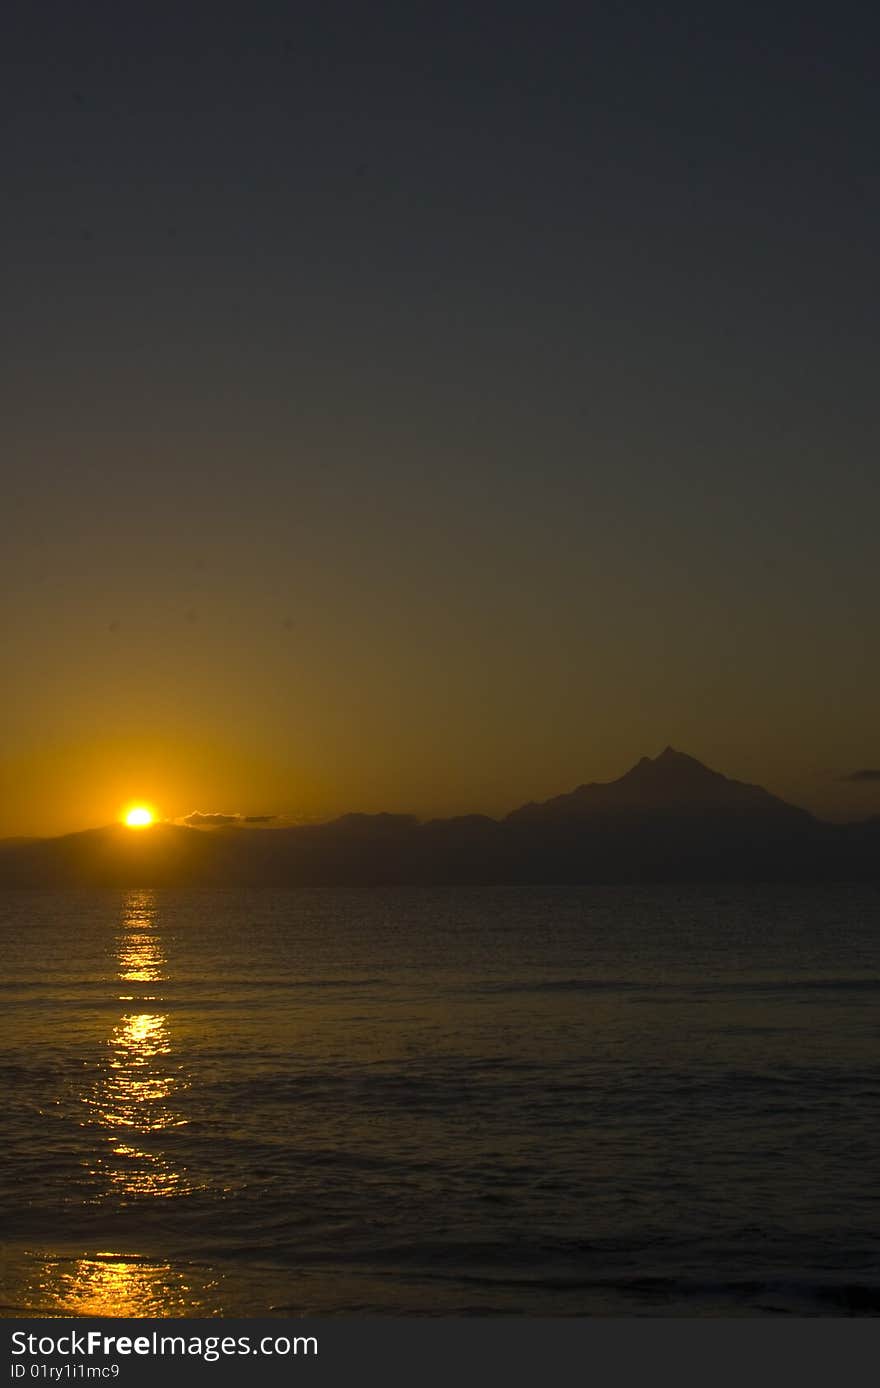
595,1101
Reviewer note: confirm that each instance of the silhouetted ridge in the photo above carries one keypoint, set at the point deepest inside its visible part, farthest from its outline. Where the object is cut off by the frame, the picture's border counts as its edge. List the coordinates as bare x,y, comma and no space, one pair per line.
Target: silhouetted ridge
371,825
673,781
669,818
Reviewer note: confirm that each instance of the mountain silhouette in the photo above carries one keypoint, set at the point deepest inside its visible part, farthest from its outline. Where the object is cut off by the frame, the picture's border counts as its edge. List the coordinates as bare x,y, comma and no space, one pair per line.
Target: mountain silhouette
671,782
667,819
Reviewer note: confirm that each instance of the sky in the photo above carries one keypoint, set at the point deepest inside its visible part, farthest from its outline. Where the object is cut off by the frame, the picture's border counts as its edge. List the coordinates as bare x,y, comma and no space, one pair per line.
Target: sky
431,408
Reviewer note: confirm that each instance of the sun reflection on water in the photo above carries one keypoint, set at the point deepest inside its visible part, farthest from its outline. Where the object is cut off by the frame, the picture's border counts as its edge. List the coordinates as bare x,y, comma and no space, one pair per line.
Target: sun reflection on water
133,1109
119,1284
134,1097
140,961
140,956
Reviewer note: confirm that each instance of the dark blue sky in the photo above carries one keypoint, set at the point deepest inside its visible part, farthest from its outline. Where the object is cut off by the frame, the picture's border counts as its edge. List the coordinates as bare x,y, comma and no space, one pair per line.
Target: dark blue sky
433,407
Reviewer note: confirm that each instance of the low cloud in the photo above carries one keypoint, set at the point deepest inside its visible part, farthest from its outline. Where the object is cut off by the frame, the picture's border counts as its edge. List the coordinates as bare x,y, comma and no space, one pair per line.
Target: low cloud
869,773
200,820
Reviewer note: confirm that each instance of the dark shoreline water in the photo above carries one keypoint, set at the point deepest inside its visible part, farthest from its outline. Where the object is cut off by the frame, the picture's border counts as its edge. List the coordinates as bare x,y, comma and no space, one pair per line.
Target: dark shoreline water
572,1101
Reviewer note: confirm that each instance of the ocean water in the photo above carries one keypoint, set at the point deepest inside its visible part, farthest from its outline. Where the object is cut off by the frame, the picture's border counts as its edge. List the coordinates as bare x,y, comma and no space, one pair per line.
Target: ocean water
595,1101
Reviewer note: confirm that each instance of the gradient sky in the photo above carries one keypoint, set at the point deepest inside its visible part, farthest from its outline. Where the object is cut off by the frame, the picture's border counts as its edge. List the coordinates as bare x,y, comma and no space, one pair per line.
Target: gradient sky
432,407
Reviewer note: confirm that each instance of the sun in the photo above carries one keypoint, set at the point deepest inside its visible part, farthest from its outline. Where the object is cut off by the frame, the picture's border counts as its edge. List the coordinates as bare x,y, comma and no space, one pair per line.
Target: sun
139,817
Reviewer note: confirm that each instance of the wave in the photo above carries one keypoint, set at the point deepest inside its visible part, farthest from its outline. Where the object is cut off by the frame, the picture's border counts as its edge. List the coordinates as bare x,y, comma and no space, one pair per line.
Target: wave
649,1294
683,986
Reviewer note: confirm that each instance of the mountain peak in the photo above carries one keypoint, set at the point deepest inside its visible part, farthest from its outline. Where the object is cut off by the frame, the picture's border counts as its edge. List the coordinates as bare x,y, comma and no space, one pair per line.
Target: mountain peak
671,782
670,756
671,760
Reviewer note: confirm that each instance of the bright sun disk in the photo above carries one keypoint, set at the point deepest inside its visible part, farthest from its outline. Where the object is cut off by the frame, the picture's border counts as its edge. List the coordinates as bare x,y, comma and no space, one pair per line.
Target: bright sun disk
139,817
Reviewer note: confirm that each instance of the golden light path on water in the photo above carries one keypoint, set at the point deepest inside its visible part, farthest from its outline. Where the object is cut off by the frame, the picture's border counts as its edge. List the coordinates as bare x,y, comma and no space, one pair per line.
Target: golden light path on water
112,1284
134,1096
132,1100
